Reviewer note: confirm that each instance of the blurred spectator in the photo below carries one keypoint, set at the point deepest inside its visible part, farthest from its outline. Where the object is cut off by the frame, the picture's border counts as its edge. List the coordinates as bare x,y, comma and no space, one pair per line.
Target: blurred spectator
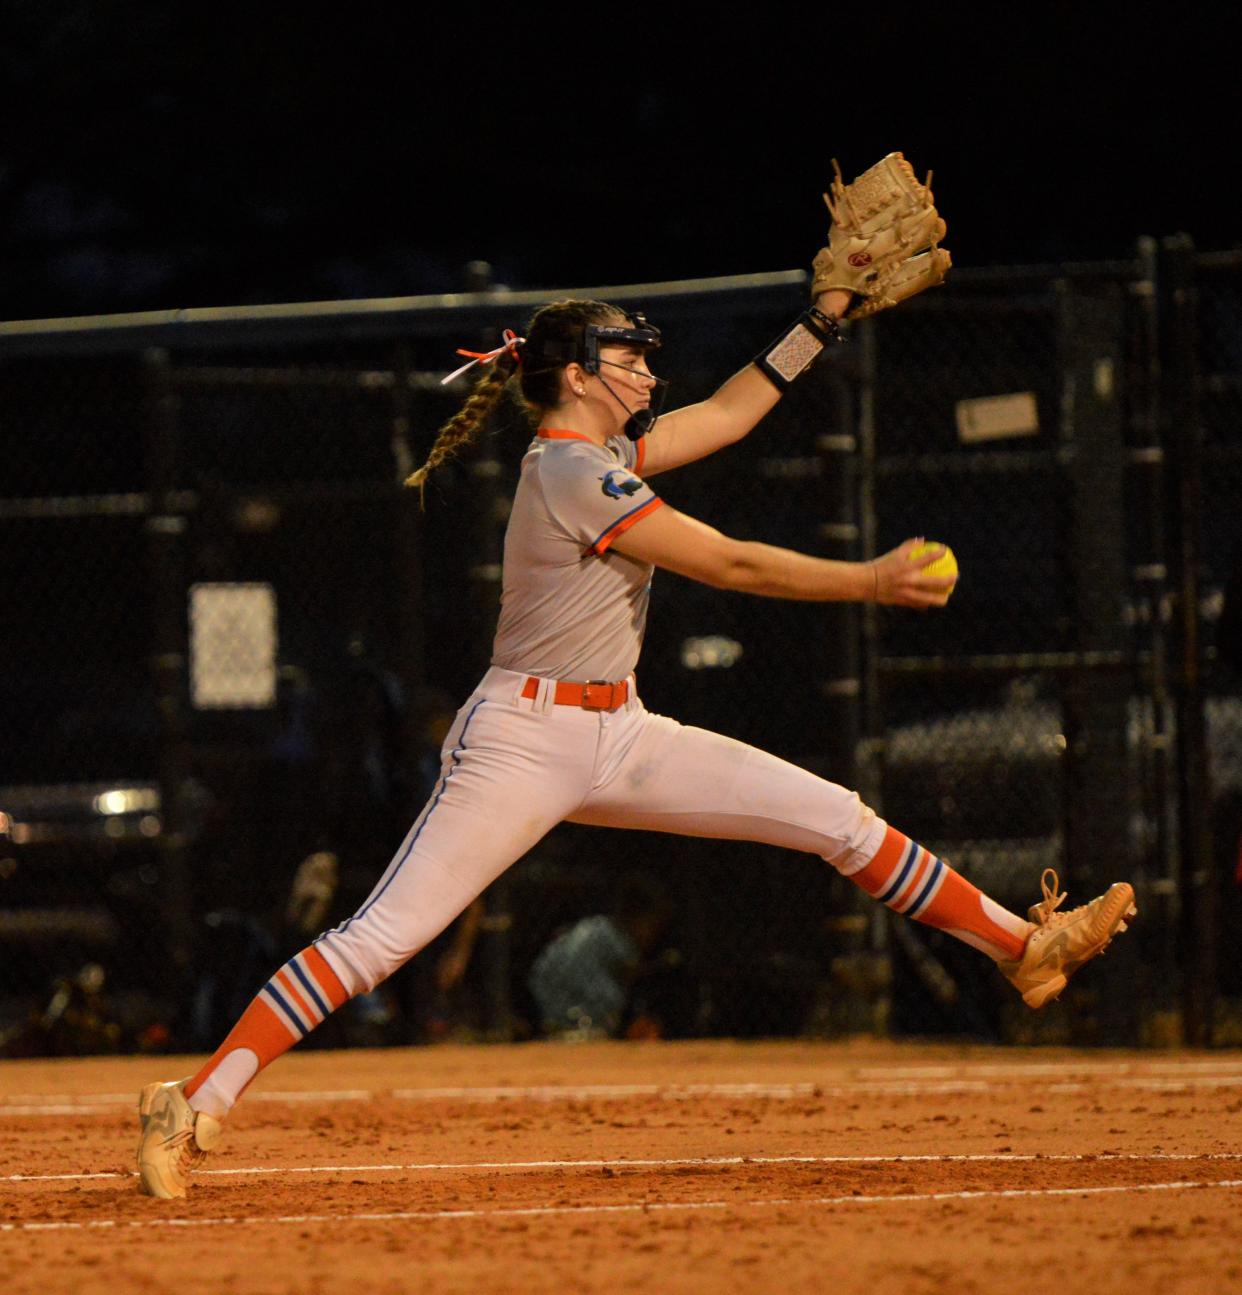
582,982
77,1020
310,899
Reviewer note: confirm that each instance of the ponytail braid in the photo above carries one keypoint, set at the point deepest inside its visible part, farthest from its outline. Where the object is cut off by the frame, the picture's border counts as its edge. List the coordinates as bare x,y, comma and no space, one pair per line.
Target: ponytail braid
554,331
468,421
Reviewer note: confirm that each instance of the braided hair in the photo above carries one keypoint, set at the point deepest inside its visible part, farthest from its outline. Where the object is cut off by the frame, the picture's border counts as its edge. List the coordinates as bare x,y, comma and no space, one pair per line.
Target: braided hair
553,337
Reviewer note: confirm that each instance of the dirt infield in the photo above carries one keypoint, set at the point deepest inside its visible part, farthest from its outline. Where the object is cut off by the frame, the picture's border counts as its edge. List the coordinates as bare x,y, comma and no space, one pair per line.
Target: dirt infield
858,1167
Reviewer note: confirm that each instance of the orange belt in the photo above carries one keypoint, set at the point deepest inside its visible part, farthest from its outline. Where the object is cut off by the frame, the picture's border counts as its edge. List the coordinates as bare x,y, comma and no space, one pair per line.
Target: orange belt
590,696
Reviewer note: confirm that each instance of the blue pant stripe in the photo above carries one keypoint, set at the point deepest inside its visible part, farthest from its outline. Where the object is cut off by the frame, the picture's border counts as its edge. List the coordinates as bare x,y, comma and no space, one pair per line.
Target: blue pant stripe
461,746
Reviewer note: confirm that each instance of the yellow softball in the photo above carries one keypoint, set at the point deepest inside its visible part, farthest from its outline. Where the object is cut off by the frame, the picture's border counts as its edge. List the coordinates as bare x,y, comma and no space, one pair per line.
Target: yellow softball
943,566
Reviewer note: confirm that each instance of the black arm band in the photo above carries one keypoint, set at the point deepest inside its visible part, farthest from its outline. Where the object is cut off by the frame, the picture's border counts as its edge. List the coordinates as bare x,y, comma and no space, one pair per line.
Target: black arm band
798,347
828,323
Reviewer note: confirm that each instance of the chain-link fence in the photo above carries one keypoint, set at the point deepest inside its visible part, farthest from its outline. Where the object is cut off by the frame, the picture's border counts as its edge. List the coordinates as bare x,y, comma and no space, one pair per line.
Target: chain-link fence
1000,423
233,643
1216,382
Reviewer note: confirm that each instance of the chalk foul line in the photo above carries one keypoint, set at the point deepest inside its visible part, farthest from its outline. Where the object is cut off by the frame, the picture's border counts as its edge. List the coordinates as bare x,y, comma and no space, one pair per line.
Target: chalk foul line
107,1104
641,1207
999,1157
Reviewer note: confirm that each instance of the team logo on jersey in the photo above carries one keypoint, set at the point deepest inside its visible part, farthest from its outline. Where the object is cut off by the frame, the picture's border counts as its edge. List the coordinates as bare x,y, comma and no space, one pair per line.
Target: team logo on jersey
618,484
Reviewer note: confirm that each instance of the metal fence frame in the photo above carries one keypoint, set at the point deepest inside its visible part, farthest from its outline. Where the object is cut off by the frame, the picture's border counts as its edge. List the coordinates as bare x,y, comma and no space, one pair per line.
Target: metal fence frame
1161,448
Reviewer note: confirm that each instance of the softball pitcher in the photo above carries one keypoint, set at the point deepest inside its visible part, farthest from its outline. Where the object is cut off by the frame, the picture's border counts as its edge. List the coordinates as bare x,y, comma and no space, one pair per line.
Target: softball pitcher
556,729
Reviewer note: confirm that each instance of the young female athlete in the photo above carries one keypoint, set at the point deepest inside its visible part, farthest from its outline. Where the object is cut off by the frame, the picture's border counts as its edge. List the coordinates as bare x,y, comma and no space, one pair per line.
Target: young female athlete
556,729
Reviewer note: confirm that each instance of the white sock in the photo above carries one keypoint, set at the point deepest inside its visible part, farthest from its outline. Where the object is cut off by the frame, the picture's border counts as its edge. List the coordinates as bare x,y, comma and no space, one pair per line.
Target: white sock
217,1094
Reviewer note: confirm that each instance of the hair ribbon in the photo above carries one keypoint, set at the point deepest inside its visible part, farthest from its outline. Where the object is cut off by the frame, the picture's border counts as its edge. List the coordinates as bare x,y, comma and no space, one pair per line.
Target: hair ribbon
511,344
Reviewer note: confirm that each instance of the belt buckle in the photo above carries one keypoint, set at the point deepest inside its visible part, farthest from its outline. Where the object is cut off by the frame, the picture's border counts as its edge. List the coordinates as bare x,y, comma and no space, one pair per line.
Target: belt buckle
591,696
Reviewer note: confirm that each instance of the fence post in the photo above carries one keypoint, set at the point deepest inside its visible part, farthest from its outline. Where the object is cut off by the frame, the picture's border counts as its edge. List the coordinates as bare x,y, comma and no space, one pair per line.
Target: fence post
1183,439
1096,702
869,758
839,534
406,555
869,753
488,511
856,962
1155,878
166,532
488,506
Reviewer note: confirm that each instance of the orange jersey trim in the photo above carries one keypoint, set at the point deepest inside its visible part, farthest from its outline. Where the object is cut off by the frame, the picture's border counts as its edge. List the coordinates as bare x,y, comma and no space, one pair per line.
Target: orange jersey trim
621,525
556,434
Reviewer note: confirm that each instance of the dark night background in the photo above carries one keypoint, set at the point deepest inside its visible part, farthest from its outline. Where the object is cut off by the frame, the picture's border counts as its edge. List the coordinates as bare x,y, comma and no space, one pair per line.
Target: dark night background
163,156
168,156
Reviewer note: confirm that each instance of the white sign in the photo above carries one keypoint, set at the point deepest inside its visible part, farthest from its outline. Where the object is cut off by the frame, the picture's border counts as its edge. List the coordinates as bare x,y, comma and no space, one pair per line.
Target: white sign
232,646
993,418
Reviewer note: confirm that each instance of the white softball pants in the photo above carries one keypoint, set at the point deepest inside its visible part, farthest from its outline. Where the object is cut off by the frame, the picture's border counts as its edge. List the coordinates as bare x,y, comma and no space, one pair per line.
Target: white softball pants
513,768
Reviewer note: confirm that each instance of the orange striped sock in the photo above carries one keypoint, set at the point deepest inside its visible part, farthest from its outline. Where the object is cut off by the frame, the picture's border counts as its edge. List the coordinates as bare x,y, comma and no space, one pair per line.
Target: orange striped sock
296,999
912,881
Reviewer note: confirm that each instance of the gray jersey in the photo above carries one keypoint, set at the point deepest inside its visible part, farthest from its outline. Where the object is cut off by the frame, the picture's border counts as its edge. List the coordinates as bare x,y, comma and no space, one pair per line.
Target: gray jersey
571,608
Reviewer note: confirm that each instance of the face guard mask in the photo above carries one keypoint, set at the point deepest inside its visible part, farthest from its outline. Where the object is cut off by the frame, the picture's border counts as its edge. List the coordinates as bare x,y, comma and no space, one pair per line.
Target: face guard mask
585,351
646,338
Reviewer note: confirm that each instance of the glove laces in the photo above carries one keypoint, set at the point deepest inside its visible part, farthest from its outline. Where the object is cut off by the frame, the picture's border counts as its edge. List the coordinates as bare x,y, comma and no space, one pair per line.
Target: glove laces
512,344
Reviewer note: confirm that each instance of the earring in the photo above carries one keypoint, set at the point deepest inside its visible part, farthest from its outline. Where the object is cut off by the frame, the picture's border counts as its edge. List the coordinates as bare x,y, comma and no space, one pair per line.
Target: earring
581,391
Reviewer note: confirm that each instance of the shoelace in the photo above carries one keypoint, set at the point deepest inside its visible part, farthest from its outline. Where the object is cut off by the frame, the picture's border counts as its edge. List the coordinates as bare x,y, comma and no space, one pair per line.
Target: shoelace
1053,898
189,1155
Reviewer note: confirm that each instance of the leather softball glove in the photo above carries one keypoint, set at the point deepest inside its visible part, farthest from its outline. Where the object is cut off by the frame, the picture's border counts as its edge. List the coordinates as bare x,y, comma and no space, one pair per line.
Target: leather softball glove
884,242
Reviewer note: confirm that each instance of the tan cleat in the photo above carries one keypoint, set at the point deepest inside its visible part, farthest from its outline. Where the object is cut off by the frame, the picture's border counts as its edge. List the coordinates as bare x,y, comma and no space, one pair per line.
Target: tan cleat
1062,942
175,1139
